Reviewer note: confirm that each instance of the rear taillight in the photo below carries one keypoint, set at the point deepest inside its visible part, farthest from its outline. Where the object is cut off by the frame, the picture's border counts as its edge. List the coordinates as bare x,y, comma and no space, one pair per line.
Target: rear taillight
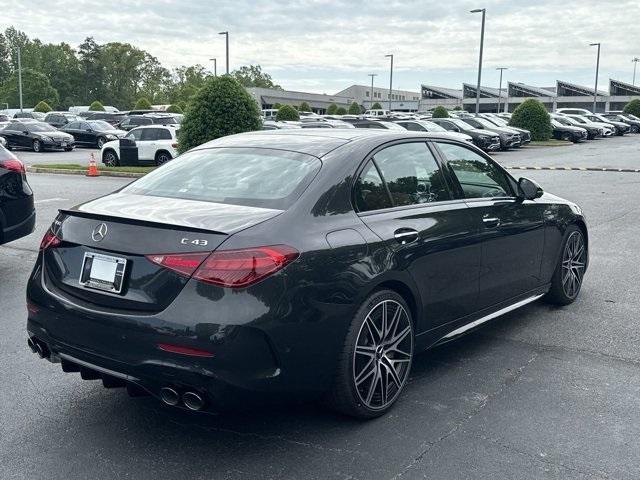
182,263
50,240
13,164
229,268
174,145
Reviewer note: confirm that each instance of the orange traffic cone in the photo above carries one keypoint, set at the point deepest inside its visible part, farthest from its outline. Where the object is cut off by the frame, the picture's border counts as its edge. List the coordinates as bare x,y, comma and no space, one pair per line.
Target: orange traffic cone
92,171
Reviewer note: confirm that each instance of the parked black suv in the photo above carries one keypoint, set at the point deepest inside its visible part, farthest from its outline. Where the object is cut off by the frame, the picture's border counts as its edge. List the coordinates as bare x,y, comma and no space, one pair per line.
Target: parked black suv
634,125
60,119
133,121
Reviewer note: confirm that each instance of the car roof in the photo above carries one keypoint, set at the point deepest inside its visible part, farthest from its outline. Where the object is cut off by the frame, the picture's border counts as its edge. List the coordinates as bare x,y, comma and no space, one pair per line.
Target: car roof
157,125
314,141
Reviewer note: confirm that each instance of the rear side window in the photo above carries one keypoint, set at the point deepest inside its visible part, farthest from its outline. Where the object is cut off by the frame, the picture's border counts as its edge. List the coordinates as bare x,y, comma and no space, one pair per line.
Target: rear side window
164,134
370,191
238,176
149,134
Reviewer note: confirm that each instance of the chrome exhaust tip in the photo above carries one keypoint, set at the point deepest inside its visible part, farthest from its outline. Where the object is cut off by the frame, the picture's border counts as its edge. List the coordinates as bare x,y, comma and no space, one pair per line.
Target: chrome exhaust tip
40,350
193,401
32,345
169,396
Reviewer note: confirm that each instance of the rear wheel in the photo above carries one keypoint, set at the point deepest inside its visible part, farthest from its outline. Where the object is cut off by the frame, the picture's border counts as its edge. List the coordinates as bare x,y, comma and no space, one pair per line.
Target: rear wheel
37,146
567,278
376,358
110,159
162,157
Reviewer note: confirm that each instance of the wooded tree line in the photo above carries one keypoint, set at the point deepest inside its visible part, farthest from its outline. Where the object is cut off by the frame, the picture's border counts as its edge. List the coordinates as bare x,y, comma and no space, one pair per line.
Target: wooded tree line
113,73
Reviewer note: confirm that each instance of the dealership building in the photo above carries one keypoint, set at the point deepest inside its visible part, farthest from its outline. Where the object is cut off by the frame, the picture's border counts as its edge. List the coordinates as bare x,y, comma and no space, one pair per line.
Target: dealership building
562,95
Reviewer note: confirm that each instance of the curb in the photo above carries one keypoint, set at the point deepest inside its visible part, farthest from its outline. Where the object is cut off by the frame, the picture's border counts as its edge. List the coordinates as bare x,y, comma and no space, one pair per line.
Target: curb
101,173
580,169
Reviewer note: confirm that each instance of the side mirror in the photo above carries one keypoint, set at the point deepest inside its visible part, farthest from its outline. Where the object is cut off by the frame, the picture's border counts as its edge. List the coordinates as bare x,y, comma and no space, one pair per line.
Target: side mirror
25,132
528,189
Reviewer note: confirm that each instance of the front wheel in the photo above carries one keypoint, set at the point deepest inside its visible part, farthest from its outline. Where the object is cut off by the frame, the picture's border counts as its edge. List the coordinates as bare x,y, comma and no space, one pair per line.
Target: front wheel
110,159
567,137
37,146
101,142
374,365
634,129
567,278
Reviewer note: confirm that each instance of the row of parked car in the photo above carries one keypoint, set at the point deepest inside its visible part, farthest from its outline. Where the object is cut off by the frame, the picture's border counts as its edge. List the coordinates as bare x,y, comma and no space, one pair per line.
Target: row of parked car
65,130
488,131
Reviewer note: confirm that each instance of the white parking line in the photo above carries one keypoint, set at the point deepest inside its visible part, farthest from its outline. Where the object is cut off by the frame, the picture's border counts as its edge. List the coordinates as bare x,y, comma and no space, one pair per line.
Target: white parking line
47,200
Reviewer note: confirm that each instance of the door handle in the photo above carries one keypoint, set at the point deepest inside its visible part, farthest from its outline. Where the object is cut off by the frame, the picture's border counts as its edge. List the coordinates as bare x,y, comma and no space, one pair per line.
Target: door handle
405,235
491,222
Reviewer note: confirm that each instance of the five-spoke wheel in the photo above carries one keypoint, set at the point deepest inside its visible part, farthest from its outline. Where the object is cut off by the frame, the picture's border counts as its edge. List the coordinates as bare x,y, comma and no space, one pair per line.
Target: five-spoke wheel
567,279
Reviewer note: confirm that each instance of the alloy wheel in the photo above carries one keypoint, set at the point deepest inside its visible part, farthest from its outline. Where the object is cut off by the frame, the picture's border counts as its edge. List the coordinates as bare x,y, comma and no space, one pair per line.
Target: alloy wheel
109,159
163,158
37,146
573,264
383,355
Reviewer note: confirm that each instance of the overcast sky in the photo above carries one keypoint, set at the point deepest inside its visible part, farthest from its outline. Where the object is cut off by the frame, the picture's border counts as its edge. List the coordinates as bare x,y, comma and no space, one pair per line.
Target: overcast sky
326,45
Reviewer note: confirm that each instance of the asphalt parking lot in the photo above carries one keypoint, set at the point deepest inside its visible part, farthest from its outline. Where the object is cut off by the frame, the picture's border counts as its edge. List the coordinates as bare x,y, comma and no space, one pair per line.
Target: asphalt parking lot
79,155
543,392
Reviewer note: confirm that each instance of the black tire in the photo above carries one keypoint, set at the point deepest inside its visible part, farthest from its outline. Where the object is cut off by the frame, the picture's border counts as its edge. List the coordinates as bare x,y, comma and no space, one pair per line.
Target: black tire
375,356
37,146
567,137
100,142
68,149
162,157
634,129
110,159
568,275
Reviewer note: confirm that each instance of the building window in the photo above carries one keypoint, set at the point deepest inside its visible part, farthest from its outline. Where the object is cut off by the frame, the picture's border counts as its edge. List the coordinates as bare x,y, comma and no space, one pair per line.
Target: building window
366,94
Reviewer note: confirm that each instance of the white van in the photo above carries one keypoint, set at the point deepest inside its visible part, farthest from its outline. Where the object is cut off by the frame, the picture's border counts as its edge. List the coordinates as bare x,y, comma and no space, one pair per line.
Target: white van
269,113
376,113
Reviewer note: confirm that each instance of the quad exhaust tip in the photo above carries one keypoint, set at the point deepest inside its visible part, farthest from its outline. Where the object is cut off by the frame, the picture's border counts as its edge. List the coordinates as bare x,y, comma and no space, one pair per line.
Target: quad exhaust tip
169,396
32,345
193,401
38,347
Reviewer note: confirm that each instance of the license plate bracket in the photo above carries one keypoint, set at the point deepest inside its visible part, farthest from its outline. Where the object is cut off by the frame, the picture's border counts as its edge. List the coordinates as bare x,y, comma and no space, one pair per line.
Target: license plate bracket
103,272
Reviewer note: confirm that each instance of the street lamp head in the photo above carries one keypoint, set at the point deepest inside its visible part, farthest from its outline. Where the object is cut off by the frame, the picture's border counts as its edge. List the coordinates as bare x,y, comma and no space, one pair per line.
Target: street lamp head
594,44
223,33
390,55
212,59
477,10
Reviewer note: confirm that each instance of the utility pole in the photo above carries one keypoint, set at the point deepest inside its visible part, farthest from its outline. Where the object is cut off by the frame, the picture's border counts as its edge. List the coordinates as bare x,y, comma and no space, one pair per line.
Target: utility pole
390,79
500,87
595,89
635,64
226,34
372,75
20,78
215,66
483,11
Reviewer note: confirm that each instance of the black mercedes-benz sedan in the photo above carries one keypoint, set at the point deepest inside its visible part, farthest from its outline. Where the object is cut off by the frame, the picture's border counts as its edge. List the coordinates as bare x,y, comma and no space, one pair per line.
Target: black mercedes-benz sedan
93,133
17,212
297,261
37,136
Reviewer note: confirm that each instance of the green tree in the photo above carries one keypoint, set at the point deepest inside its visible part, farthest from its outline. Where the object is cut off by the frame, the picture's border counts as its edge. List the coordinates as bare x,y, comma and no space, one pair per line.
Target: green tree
96,106
341,111
221,107
354,109
457,108
331,110
185,82
253,76
304,107
440,112
42,107
142,104
376,106
287,112
183,105
276,106
35,87
633,107
174,109
531,115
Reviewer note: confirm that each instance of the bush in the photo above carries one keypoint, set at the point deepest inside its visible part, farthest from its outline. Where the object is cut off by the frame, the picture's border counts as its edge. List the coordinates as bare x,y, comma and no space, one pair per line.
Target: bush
633,107
304,107
277,106
440,112
96,107
457,108
531,115
174,109
221,107
341,111
142,104
287,112
42,107
354,109
183,105
376,106
331,110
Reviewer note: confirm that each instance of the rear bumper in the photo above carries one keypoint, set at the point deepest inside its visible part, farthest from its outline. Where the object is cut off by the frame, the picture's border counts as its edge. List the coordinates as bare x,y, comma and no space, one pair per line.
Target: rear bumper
19,230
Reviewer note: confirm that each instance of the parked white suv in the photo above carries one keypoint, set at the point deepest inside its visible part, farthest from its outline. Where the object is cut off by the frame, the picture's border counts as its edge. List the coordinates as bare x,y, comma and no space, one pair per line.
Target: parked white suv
147,145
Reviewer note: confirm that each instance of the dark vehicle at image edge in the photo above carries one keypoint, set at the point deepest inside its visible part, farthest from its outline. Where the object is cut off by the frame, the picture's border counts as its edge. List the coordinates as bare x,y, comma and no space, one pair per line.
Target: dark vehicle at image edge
17,212
312,262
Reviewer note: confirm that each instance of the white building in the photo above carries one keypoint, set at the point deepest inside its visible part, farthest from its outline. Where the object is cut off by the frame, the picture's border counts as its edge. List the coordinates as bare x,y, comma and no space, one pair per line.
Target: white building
401,100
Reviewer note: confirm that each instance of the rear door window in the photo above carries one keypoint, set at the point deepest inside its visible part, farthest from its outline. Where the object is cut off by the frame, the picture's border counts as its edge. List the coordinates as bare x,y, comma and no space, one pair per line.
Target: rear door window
239,176
163,134
149,134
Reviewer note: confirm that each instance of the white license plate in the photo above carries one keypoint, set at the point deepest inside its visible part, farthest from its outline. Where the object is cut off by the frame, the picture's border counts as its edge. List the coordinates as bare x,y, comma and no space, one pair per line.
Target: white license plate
103,272
63,144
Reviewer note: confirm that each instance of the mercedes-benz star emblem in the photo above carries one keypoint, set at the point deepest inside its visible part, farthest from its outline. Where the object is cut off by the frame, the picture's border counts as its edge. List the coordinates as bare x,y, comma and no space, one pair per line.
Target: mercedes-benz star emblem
99,232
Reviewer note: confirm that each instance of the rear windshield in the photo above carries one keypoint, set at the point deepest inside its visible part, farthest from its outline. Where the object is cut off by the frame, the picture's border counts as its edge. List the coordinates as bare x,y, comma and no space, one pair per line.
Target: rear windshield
238,176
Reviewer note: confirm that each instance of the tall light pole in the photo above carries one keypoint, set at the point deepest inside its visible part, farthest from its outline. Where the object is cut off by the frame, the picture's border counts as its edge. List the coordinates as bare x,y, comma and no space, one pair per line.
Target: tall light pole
20,78
635,64
479,10
215,66
500,87
390,79
226,34
595,90
372,75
